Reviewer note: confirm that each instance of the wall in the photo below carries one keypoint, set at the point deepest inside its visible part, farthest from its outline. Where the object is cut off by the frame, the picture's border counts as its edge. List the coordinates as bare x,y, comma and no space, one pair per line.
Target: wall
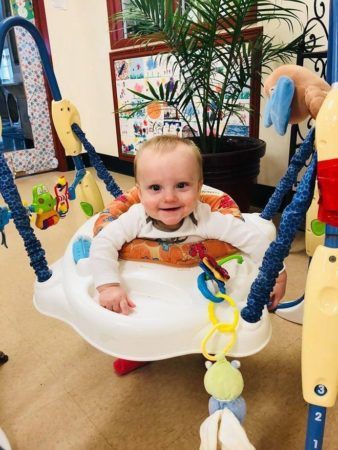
80,48
79,39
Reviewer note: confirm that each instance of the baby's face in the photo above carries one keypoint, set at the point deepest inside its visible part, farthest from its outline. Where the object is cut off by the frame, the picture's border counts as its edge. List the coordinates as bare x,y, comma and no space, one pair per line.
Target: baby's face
168,184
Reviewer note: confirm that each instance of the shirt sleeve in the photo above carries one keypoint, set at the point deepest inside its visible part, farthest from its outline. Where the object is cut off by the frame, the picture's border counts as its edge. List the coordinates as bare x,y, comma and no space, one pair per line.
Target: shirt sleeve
106,245
246,236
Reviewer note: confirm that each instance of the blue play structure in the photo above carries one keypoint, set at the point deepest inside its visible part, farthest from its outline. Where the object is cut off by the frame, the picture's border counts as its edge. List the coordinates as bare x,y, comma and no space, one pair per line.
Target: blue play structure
7,186
320,389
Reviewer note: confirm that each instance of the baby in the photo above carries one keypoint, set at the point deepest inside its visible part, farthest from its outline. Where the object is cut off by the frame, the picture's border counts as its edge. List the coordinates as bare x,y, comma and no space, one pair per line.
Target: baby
169,178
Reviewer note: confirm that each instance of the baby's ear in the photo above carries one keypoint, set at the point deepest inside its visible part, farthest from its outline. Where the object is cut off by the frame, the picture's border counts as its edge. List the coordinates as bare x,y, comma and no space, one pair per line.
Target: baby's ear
138,190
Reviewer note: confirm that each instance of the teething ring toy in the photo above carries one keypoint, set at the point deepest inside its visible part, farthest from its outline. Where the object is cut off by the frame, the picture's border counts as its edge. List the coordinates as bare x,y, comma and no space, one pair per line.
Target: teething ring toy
222,327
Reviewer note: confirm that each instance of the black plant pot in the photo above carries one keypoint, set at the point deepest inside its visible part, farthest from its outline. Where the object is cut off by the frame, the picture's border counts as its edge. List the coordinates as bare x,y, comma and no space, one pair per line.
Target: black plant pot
235,168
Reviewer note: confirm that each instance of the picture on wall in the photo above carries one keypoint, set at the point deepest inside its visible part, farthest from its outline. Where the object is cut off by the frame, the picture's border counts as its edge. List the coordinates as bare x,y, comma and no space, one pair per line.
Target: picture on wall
131,74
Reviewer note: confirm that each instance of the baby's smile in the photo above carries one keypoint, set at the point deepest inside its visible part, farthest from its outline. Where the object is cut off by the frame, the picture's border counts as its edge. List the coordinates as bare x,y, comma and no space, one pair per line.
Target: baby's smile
174,208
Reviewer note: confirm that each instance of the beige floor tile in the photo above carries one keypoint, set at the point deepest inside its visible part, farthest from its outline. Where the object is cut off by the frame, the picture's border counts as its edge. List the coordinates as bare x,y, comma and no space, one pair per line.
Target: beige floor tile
26,384
60,424
74,359
146,402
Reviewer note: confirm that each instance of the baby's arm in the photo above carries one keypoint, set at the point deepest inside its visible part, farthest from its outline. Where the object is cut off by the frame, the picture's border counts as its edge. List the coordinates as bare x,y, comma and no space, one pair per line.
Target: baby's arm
104,260
245,235
278,291
114,297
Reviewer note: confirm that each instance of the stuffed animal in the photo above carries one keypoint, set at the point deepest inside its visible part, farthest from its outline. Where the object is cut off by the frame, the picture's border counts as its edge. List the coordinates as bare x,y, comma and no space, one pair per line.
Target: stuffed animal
223,431
295,93
227,409
224,382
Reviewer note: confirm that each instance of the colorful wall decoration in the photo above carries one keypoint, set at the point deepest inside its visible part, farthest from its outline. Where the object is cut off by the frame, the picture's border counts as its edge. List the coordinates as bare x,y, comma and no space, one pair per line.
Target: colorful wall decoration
23,8
133,73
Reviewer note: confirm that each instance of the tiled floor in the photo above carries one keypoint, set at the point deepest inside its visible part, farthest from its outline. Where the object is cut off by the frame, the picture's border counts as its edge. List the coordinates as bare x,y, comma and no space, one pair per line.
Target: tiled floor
58,392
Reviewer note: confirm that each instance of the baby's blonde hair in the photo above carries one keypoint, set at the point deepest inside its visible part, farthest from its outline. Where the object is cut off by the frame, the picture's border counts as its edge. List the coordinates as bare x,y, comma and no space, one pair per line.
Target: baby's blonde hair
167,143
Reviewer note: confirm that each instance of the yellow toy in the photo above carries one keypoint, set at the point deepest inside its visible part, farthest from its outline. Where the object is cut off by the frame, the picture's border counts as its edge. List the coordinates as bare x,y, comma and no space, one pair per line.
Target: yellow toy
64,114
320,325
221,327
89,195
62,196
314,228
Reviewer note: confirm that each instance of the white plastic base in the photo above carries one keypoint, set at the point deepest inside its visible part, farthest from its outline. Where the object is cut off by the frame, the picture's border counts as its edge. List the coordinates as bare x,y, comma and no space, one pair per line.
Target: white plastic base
292,313
170,318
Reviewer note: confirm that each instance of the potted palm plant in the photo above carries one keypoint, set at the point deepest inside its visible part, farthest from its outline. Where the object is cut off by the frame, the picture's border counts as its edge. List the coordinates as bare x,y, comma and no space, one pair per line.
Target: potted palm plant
219,50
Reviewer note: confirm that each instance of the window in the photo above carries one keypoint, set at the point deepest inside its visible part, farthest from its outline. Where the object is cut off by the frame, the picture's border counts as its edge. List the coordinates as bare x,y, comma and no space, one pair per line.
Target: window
10,60
119,31
6,71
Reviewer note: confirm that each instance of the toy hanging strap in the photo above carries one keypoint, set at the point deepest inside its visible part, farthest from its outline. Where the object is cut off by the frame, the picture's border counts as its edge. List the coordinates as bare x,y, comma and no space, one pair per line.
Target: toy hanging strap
279,249
96,162
284,186
20,217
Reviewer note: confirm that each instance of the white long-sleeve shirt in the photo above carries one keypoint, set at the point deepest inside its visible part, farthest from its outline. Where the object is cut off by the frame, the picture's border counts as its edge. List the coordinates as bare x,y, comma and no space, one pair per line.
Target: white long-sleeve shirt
208,225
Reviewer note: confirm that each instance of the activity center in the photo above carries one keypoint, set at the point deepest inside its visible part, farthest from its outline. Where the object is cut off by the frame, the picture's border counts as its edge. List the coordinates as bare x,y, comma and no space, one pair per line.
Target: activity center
203,361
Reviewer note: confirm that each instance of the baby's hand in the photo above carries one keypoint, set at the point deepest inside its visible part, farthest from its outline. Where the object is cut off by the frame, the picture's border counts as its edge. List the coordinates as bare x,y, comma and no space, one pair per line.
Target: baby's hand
115,298
278,291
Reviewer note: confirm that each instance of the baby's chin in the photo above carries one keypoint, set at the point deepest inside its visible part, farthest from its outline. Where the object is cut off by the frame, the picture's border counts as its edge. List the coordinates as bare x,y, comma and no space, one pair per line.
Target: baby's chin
172,223
168,223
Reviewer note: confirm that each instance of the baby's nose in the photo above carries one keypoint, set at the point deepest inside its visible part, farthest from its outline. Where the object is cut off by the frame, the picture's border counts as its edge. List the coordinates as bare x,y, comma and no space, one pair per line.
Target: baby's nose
170,195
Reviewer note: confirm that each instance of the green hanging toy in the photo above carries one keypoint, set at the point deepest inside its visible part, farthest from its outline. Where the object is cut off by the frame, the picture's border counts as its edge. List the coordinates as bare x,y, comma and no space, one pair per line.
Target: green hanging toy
224,382
43,205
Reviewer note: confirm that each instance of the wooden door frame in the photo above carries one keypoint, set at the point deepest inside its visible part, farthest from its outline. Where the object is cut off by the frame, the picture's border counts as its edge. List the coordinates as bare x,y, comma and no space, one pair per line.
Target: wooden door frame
41,24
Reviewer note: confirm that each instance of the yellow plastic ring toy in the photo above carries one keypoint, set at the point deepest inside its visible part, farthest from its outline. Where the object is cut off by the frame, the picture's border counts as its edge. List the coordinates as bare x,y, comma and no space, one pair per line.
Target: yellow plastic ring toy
229,345
215,320
222,327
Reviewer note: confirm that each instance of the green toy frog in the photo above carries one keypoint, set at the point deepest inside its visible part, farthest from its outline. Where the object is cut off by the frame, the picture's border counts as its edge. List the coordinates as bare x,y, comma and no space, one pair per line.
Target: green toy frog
224,382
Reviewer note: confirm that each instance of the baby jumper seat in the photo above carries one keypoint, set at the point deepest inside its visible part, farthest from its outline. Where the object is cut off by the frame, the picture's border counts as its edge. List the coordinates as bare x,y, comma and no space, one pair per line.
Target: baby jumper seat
171,314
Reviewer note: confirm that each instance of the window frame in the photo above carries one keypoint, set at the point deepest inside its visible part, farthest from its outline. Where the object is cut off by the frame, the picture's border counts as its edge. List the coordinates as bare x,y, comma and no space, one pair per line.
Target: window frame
116,33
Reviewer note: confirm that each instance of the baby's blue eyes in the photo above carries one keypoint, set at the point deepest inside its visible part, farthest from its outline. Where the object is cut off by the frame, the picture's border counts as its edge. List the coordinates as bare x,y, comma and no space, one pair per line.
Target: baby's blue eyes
157,187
